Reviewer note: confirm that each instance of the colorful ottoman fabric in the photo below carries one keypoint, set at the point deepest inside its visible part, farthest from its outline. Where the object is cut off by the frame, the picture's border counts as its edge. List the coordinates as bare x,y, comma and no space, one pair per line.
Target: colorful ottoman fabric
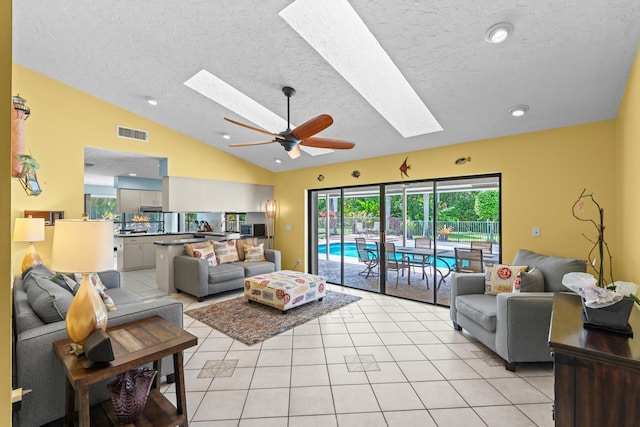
285,289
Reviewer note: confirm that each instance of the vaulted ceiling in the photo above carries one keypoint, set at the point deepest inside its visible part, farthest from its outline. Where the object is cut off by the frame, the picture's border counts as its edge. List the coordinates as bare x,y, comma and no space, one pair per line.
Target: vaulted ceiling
568,61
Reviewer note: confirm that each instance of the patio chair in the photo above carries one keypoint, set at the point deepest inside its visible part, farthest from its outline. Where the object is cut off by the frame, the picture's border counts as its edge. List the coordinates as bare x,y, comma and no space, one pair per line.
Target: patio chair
368,257
358,228
393,263
422,261
469,260
487,247
375,231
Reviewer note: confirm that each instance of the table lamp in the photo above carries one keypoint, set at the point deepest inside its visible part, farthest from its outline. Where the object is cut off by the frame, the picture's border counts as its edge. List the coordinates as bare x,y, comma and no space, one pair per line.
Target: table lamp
29,230
83,246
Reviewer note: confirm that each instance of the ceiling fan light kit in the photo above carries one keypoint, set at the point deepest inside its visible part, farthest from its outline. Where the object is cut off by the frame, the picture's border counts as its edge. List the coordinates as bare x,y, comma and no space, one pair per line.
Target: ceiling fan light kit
291,140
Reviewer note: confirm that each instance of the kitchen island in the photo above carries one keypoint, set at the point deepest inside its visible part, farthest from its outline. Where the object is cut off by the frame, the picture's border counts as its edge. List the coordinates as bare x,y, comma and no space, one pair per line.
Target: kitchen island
136,251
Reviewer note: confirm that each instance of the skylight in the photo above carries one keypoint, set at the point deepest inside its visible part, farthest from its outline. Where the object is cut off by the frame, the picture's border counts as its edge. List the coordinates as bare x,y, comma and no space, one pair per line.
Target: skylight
229,97
338,34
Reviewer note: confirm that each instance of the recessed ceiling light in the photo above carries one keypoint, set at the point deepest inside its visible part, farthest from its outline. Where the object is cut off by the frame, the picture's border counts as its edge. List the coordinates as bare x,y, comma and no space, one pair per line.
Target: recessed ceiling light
499,32
133,174
519,111
338,34
151,100
226,136
278,160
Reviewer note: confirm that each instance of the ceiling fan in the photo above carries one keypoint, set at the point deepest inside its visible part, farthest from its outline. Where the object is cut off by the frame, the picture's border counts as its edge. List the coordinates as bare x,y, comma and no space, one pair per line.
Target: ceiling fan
291,140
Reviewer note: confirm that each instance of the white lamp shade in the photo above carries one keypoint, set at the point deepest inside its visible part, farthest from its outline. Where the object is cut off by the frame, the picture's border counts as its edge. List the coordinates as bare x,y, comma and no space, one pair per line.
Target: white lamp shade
28,230
82,246
270,208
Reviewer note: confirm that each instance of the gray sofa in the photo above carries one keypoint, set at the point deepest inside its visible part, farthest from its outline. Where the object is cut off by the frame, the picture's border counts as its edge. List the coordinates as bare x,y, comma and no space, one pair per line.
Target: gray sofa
514,325
194,276
37,368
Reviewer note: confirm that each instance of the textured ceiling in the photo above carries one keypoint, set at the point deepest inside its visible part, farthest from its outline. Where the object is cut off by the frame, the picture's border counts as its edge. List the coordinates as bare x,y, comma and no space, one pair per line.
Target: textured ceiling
568,60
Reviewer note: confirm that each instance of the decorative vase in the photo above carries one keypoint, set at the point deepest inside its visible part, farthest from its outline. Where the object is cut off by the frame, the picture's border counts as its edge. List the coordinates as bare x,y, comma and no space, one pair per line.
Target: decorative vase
129,393
614,318
86,312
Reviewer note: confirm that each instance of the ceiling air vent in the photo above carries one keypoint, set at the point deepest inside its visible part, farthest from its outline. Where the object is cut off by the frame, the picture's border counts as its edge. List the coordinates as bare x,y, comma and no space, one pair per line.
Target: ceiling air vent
129,133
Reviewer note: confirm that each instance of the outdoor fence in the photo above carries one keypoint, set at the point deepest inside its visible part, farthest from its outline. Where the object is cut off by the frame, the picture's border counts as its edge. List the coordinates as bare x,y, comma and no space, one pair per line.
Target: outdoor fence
455,231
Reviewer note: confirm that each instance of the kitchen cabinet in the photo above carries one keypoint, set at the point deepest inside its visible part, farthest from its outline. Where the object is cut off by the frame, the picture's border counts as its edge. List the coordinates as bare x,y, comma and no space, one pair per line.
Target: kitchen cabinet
151,198
596,373
203,195
131,200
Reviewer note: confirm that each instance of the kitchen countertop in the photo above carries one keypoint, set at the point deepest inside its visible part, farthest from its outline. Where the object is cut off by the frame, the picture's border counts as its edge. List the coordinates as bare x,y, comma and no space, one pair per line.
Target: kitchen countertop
177,242
151,234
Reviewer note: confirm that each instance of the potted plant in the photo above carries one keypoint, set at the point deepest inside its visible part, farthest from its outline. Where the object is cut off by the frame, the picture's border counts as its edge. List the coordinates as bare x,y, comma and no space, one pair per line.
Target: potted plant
444,232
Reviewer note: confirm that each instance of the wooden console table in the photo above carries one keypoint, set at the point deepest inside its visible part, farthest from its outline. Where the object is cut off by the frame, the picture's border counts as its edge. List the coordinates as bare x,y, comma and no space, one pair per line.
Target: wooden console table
134,344
597,374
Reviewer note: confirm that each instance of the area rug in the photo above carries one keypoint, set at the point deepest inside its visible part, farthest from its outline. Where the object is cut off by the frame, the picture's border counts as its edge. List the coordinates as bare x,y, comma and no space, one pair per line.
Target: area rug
251,323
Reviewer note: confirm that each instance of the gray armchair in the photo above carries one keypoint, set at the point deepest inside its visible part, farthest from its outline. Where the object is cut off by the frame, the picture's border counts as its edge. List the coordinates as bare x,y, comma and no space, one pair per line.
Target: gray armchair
514,325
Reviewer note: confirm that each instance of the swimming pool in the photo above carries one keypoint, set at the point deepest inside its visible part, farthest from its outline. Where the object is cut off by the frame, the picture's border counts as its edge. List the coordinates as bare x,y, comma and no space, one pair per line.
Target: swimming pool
351,252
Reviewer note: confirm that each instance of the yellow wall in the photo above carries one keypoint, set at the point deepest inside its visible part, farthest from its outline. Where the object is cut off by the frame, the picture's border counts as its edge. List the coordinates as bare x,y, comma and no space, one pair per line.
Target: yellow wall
628,178
542,175
5,212
64,120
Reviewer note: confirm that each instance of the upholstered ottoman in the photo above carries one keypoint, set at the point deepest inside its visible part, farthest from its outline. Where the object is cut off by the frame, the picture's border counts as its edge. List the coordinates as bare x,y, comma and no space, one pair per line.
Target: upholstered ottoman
285,289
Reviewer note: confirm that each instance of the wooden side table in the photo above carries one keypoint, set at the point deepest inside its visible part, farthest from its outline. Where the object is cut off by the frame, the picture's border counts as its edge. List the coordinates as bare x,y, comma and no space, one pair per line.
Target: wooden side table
134,344
596,373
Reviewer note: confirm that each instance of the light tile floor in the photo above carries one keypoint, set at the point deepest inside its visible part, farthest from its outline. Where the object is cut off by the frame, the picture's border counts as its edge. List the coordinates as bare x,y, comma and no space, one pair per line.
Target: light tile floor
381,361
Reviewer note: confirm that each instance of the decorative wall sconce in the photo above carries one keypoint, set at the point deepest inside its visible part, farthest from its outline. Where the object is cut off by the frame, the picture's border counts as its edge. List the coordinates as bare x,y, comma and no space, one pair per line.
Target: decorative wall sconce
462,160
19,114
320,177
28,178
23,166
355,174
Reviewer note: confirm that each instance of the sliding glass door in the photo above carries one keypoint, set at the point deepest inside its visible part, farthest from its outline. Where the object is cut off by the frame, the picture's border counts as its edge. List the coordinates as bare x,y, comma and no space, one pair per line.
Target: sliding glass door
400,238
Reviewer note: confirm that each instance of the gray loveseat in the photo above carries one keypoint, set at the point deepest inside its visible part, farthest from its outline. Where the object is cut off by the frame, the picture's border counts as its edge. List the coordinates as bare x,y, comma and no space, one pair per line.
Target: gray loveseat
35,365
514,325
194,276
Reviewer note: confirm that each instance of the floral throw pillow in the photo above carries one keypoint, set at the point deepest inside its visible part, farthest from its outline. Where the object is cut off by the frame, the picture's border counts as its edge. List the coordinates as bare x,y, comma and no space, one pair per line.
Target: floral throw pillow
207,253
501,278
226,251
254,253
190,247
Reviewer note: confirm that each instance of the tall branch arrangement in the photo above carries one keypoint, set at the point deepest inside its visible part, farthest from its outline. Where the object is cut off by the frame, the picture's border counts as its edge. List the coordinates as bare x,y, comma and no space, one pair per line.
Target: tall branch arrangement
595,260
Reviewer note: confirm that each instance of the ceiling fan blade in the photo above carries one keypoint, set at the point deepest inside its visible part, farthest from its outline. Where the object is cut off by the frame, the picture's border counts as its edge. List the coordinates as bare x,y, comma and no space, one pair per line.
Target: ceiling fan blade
252,128
311,127
245,144
335,144
295,152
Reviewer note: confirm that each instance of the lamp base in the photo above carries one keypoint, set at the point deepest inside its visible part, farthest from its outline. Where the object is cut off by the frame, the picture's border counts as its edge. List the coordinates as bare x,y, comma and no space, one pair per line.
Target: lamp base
31,258
86,312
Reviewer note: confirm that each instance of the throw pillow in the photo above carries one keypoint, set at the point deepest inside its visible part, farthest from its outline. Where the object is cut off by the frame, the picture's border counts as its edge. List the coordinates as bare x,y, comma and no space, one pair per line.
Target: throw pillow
65,282
254,253
207,254
552,267
241,243
190,247
100,288
529,281
226,251
48,300
36,270
501,278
